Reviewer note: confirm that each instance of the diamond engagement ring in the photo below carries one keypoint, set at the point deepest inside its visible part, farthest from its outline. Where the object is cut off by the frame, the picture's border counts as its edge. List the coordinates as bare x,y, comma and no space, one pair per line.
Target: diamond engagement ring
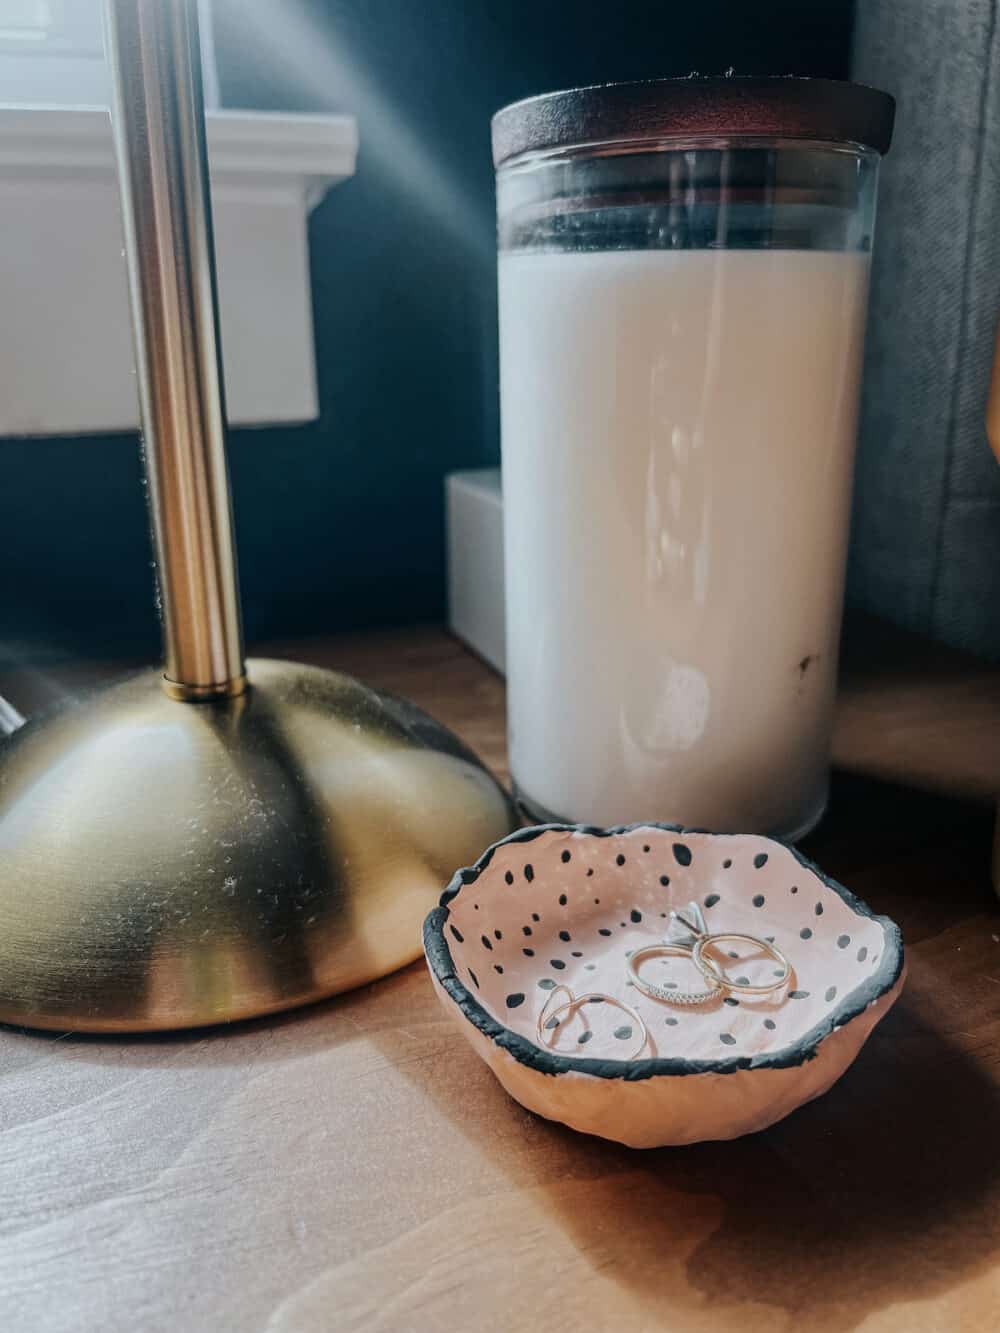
669,994
689,937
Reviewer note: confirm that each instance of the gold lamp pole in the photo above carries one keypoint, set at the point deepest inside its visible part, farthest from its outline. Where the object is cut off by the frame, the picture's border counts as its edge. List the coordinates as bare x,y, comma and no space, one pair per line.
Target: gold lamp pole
214,841
159,128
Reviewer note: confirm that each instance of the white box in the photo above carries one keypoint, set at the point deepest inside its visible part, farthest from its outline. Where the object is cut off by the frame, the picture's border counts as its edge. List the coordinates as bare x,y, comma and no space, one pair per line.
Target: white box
474,512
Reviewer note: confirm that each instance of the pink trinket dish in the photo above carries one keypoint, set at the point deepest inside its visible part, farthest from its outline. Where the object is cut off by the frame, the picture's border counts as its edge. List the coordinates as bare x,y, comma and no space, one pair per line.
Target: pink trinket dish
554,914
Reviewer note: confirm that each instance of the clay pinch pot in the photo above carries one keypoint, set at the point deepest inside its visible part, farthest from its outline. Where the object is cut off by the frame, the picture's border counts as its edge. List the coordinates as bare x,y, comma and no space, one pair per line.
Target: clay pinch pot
565,905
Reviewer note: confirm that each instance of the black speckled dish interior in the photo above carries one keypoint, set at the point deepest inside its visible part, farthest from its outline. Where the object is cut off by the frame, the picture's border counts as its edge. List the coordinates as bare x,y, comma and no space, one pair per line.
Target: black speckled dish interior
565,905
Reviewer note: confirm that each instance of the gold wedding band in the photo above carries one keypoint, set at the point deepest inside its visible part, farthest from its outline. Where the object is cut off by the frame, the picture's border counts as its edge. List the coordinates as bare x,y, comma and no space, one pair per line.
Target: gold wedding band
711,970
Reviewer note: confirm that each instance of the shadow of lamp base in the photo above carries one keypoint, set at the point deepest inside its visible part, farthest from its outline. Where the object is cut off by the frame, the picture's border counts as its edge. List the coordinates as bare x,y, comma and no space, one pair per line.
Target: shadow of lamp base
169,865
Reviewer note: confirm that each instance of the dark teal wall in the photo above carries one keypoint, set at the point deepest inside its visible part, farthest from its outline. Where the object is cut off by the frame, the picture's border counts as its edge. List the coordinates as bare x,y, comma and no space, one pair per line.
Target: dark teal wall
340,522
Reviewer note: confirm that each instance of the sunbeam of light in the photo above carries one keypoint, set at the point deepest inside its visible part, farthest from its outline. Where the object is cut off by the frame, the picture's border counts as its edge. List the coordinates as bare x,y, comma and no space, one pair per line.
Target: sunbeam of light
319,63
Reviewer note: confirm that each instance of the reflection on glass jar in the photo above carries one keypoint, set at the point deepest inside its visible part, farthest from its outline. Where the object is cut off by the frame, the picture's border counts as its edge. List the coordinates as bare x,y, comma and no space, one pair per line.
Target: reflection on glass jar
681,335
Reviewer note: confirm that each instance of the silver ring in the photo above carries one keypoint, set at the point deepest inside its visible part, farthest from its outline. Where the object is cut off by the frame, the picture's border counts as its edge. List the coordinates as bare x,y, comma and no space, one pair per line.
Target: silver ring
670,995
713,972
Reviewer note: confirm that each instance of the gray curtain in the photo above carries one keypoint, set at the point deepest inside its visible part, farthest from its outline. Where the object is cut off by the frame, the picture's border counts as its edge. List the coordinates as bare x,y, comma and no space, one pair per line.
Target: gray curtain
926,540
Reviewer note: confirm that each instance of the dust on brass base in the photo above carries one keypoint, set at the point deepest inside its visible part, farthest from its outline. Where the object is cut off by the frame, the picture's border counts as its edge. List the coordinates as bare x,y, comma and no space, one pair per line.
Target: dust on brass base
167,865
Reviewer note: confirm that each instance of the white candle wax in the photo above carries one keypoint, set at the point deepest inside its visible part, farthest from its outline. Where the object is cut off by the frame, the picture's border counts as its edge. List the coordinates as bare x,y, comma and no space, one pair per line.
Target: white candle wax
678,436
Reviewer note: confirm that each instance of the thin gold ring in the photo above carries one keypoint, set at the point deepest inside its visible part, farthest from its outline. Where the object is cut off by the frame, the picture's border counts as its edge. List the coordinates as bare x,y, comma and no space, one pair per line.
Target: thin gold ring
670,994
550,1021
710,969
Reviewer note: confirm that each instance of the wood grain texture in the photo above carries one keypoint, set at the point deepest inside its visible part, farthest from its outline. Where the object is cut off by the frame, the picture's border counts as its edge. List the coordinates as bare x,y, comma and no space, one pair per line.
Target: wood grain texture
356,1167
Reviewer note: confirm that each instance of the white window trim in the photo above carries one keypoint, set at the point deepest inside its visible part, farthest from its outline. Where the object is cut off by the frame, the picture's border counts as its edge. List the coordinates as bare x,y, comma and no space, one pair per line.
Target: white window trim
65,349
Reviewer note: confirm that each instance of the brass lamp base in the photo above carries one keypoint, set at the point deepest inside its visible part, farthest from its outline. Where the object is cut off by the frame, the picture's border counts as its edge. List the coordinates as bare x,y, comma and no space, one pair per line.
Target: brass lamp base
168,865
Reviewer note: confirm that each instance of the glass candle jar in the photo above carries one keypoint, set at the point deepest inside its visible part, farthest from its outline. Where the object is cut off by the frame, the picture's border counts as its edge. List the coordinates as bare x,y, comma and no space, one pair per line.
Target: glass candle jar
683,277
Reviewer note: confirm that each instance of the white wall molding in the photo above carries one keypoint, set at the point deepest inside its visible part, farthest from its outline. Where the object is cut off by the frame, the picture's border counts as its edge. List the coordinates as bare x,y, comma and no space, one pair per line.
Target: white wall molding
65,341
260,144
